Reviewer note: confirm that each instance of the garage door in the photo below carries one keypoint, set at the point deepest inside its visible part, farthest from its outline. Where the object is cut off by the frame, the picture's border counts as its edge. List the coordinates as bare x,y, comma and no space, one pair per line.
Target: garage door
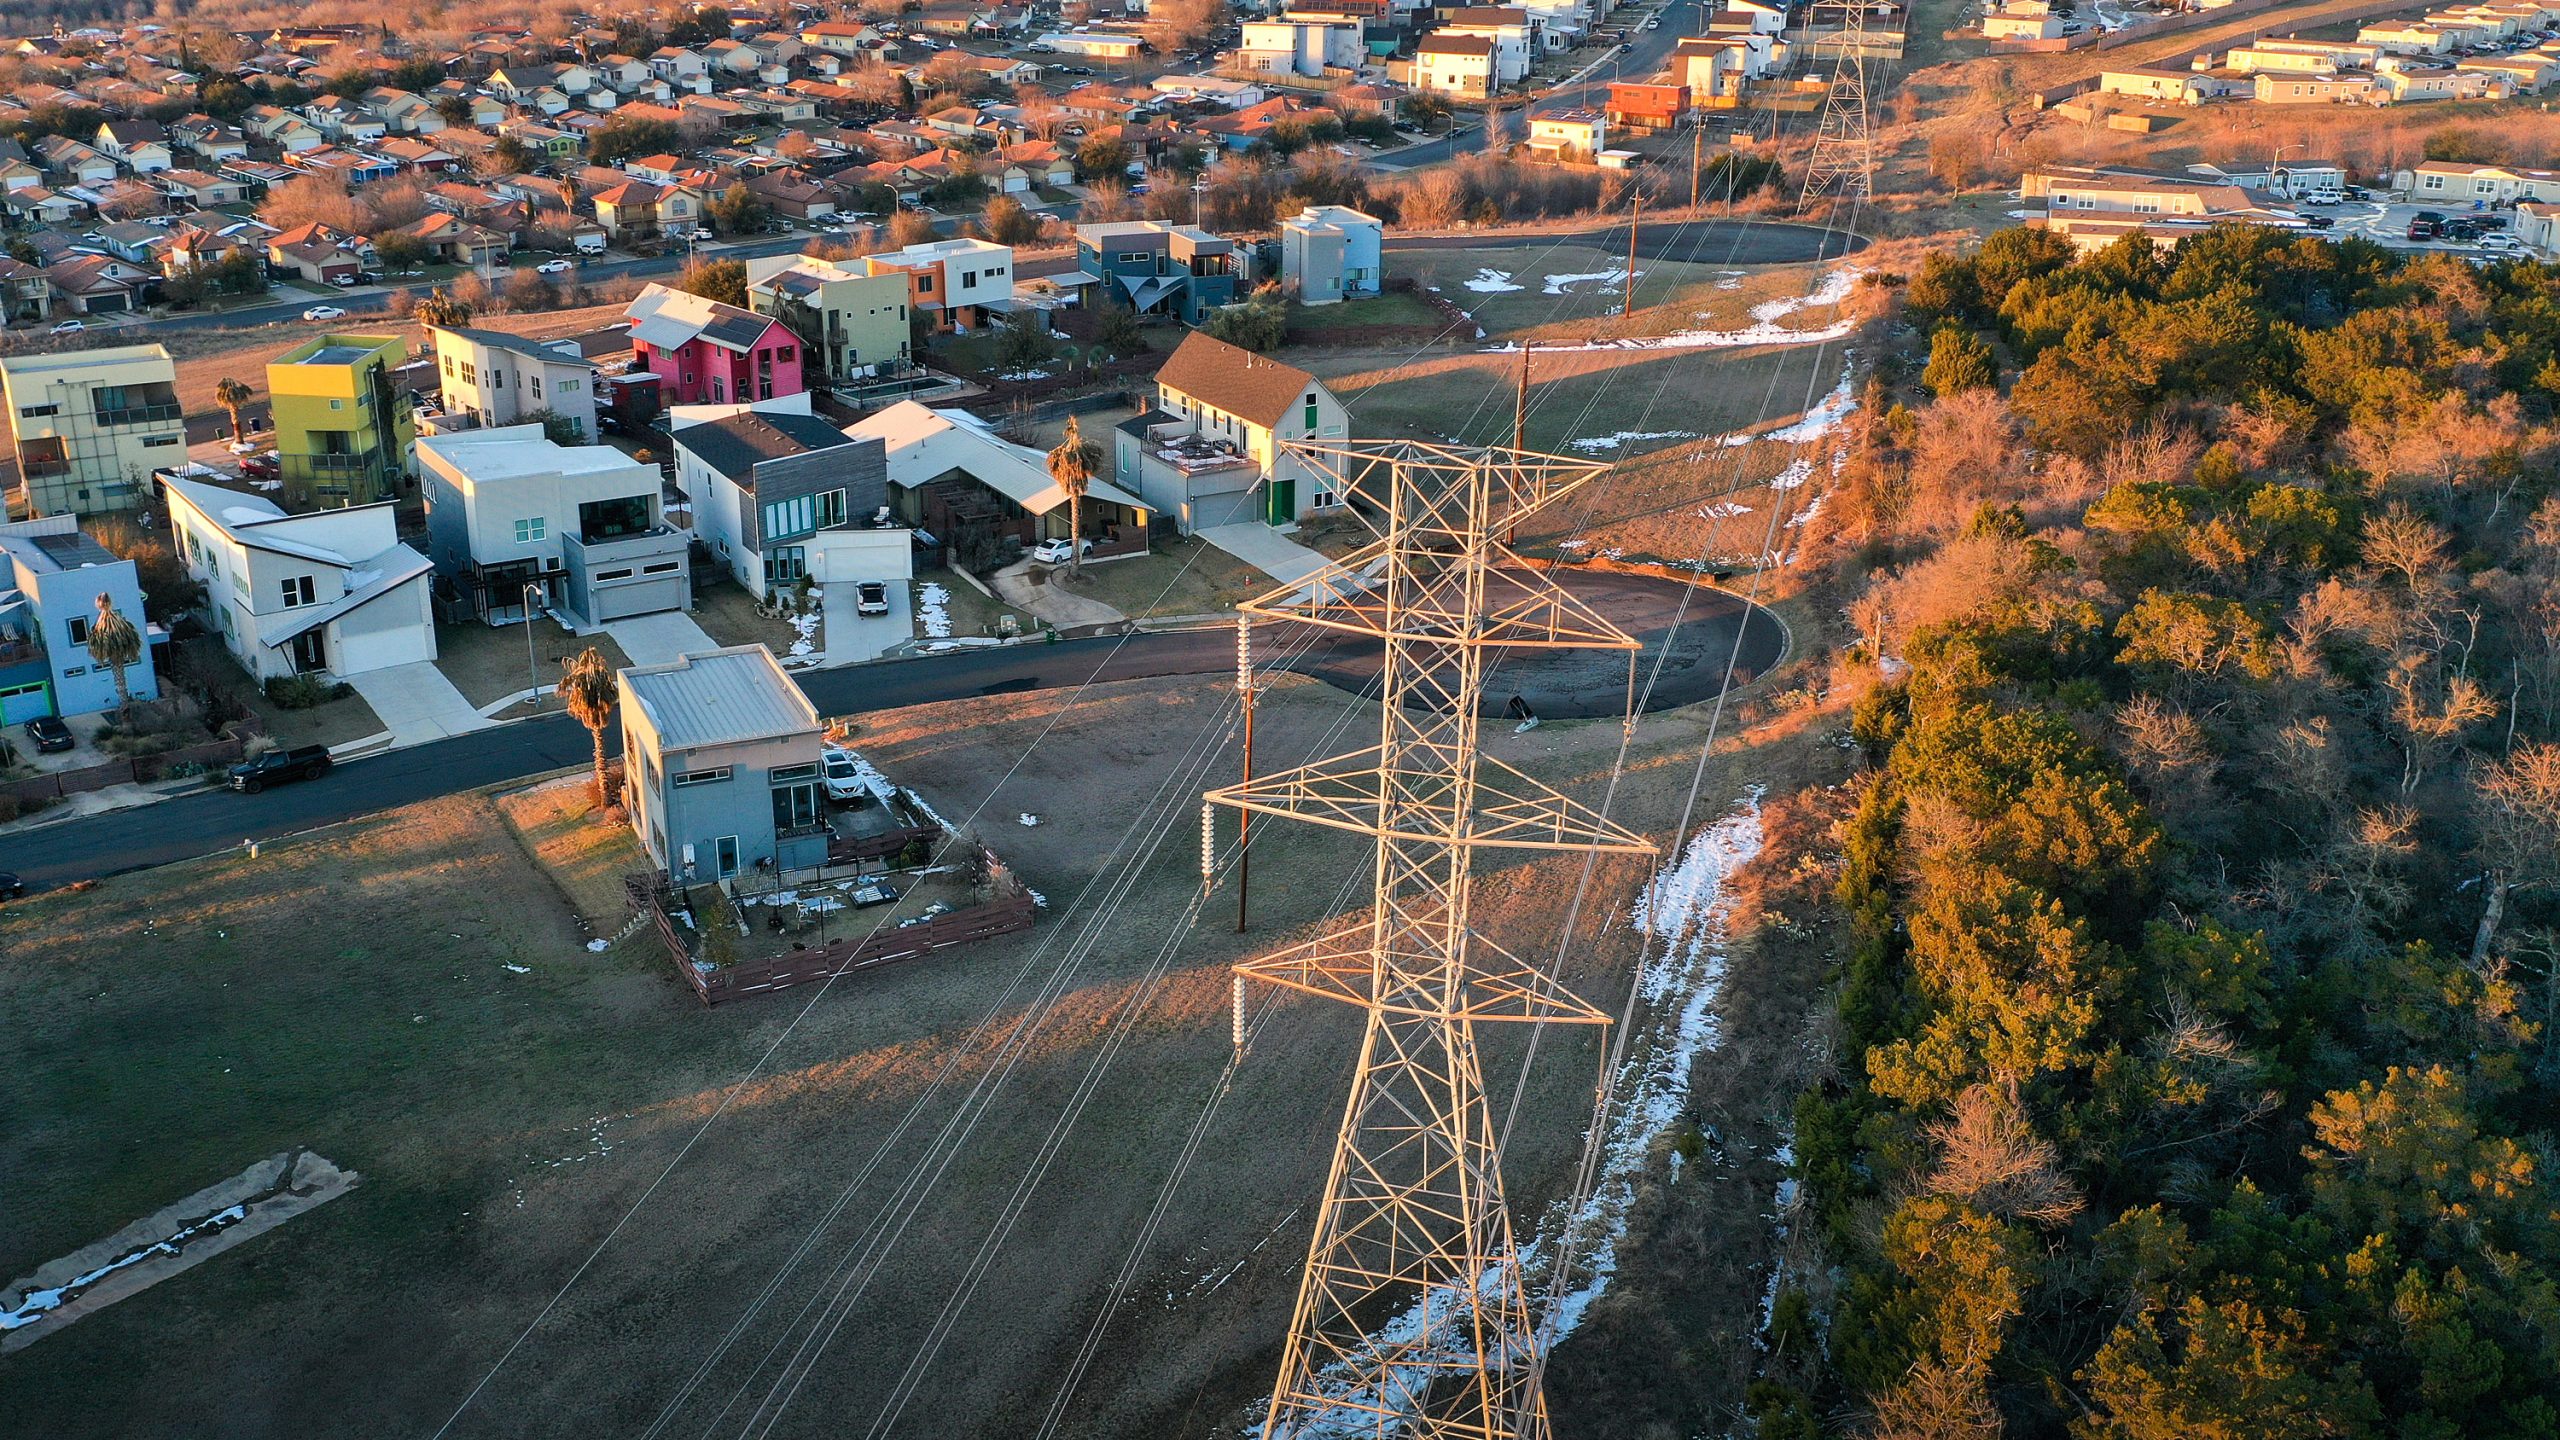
24,702
1233,508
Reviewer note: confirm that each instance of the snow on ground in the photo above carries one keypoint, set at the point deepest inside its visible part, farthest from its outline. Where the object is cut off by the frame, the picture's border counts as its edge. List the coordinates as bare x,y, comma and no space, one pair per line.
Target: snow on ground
1607,280
1764,329
1596,443
39,1303
1493,282
1725,510
1821,420
1024,375
804,631
933,607
1680,983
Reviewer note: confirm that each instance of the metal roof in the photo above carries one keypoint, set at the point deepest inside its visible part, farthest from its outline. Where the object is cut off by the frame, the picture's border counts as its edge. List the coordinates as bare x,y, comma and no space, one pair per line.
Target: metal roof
720,697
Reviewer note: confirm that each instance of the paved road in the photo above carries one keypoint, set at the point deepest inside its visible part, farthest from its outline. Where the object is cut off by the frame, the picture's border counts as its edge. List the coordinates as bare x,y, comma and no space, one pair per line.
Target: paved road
1638,59
1694,242
1558,686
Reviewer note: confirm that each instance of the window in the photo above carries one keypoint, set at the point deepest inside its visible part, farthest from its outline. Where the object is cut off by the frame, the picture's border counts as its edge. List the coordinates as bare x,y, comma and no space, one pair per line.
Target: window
470,373
786,353
1133,257
149,441
725,855
299,590
662,567
719,775
337,404
31,412
1310,421
622,574
830,509
780,773
786,518
528,531
795,807
719,389
536,382
565,387
785,565
78,625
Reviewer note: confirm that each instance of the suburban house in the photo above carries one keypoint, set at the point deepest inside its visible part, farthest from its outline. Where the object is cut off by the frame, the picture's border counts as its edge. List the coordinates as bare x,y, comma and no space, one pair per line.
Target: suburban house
955,283
1647,109
2095,207
951,474
1160,269
720,766
450,238
320,254
852,323
1296,45
26,297
52,580
2461,182
702,350
100,284
1330,253
1568,137
1208,452
331,592
642,209
768,485
1461,66
512,517
1512,33
91,426
140,146
72,163
489,377
343,428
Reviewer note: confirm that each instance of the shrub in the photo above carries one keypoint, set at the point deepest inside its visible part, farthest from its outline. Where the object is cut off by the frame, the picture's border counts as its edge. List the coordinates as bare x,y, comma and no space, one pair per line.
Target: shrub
302,692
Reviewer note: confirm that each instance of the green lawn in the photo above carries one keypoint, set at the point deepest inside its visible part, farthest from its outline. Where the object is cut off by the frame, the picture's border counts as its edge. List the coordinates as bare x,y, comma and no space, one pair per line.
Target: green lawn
1395,309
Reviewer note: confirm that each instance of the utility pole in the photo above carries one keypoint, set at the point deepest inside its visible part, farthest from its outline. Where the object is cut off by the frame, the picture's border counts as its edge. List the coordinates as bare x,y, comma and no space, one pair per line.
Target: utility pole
1245,691
1413,1206
1635,219
1844,147
1697,158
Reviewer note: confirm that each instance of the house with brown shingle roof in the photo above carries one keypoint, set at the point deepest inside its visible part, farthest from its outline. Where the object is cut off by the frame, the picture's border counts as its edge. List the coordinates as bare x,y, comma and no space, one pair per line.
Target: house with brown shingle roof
1209,451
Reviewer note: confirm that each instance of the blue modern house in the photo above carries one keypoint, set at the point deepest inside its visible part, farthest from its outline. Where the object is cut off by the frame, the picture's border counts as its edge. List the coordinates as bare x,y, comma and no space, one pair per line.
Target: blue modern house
1160,269
720,765
51,578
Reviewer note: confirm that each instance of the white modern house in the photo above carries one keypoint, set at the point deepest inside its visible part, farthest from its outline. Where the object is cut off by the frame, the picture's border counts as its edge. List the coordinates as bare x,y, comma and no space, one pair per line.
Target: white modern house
1330,253
333,592
494,378
514,519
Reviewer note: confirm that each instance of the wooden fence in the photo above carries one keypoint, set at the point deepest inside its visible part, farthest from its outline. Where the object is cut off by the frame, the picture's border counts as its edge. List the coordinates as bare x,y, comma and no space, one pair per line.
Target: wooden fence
141,769
842,850
842,957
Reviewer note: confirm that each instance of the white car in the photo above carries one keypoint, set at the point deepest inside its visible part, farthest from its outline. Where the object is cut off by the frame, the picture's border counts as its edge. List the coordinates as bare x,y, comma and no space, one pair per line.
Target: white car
2503,244
324,312
701,232
841,776
871,597
70,327
1055,552
556,267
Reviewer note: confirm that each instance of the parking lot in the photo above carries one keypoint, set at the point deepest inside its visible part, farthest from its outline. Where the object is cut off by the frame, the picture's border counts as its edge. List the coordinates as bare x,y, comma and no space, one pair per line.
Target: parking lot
2386,223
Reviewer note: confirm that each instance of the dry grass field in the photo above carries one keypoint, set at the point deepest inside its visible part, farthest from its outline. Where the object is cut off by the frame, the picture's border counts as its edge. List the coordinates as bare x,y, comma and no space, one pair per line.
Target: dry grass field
411,996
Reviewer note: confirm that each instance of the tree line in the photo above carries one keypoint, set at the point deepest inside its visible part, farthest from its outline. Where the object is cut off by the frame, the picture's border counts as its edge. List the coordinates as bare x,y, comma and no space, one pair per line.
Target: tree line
2192,1075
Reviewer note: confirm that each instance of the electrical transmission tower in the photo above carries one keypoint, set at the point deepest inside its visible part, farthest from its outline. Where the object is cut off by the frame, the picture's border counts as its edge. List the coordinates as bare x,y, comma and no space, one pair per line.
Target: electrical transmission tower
1844,146
1413,1212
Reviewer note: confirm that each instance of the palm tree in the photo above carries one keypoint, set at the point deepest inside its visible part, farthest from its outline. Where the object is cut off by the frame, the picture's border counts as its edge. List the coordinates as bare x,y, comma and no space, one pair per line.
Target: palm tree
568,187
589,689
1071,465
114,643
230,394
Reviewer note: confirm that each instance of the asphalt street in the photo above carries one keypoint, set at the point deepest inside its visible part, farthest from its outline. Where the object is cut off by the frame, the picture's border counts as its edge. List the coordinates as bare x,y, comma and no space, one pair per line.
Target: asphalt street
1693,242
1705,631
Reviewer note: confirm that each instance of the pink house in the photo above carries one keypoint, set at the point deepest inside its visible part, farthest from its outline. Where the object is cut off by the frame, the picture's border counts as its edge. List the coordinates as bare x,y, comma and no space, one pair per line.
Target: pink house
704,351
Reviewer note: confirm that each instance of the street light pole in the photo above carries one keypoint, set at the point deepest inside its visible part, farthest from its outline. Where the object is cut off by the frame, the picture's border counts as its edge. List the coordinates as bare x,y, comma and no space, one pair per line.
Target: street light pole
532,666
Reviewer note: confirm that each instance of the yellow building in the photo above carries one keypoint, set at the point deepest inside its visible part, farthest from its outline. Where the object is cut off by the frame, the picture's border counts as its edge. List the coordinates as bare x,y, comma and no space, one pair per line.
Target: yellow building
91,425
343,431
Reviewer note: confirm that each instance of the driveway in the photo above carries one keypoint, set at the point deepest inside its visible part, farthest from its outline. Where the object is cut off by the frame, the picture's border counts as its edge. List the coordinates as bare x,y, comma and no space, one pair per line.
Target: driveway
417,703
1265,549
660,639
1024,585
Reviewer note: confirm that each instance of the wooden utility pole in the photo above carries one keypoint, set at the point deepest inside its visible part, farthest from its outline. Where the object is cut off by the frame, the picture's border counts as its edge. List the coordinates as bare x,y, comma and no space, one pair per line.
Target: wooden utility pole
1697,155
1520,403
1634,220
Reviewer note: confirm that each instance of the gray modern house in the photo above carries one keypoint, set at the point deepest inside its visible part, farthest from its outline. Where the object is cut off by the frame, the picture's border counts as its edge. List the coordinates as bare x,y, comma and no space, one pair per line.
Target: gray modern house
764,482
720,757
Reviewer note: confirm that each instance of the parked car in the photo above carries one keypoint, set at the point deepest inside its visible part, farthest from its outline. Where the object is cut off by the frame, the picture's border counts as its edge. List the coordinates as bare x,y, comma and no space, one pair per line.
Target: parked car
70,327
2422,228
556,267
842,777
1055,551
871,597
11,887
324,312
2319,222
279,767
50,735
261,466
2503,244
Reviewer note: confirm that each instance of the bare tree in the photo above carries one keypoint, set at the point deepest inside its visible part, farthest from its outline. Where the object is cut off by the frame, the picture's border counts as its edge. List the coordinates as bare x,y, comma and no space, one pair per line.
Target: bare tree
1992,1159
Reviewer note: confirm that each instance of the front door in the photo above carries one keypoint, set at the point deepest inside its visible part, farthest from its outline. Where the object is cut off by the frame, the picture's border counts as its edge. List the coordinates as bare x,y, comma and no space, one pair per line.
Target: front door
310,651
1284,502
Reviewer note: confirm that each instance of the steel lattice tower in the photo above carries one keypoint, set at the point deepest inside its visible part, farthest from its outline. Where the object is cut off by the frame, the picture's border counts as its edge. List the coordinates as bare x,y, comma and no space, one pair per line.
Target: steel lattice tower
1413,1211
1844,146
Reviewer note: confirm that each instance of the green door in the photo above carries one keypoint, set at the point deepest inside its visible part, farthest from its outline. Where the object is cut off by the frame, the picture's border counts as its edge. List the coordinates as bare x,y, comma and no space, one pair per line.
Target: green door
1284,503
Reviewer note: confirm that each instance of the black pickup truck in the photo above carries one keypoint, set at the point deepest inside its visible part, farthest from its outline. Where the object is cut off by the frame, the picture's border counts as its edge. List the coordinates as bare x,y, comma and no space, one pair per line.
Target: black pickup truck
280,767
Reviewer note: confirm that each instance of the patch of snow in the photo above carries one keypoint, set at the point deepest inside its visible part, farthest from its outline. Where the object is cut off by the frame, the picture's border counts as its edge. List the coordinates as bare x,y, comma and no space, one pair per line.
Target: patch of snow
1812,508
39,1303
1024,375
1724,510
1765,329
1821,420
1680,983
804,626
1793,477
599,946
933,607
1607,280
516,969
1593,444
1835,287
1573,545
1028,819
1493,282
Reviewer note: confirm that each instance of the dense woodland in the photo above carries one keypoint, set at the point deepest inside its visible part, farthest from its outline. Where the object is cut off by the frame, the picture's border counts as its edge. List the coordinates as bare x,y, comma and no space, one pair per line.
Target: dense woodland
2191,1070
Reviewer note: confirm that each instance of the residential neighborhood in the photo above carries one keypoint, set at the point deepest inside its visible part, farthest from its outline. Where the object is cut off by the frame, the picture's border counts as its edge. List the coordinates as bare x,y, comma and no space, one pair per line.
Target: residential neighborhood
1294,718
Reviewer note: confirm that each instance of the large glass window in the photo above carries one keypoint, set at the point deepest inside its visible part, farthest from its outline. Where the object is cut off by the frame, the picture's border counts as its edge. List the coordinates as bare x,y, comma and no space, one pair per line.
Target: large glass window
613,519
785,565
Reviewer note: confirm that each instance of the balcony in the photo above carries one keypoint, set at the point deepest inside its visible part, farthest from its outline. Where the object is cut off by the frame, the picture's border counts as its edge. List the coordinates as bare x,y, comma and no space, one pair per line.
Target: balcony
1175,444
141,415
